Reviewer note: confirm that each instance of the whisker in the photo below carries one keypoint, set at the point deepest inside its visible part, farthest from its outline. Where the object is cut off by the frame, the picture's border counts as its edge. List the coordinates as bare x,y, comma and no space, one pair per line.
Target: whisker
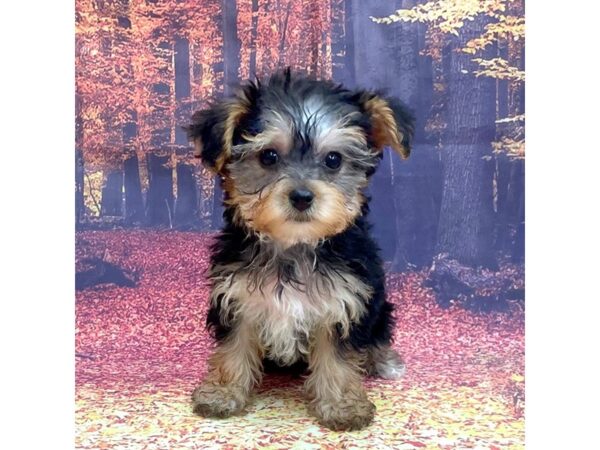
260,190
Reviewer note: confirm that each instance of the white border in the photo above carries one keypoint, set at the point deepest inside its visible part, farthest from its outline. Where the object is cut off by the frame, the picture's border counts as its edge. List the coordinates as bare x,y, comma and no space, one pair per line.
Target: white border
37,235
562,179
562,225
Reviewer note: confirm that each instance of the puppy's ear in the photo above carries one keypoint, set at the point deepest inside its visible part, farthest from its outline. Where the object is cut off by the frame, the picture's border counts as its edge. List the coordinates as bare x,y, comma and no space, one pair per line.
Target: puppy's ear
391,122
212,129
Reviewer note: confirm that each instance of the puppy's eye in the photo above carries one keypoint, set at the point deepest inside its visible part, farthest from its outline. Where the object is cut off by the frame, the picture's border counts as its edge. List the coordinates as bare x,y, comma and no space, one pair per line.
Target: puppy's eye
333,160
268,157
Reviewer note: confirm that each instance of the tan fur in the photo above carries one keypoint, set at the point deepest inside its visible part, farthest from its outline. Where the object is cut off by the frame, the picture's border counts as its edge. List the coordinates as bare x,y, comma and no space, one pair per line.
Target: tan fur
234,369
285,315
229,187
270,212
339,137
278,134
271,137
334,387
385,129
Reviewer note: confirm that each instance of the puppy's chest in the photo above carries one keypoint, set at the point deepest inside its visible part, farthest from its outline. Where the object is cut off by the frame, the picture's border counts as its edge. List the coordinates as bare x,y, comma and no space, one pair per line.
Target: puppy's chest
285,304
284,316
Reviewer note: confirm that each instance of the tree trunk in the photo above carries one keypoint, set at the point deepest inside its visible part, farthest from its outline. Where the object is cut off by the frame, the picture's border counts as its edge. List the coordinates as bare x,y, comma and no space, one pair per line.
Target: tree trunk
425,165
231,61
502,177
516,58
182,68
312,39
510,178
405,204
503,166
350,79
79,183
415,194
518,253
231,45
375,53
79,168
162,91
159,200
342,43
407,56
338,40
253,34
112,194
409,202
515,211
376,67
134,203
466,217
186,205
283,34
516,105
383,209
183,111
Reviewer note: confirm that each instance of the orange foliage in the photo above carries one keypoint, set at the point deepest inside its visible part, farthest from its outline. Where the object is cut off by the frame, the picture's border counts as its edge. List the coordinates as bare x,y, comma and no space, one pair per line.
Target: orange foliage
288,33
125,62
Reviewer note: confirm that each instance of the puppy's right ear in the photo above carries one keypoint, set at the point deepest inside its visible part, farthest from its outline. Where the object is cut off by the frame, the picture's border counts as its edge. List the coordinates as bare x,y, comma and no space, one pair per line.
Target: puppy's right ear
212,129
207,132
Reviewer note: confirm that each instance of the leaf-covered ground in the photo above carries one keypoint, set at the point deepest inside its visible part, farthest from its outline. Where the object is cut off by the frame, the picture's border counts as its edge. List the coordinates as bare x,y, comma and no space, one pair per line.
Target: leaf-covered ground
140,352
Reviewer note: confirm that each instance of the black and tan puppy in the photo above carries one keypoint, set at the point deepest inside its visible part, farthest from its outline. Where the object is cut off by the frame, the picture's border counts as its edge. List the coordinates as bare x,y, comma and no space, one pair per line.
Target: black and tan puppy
295,275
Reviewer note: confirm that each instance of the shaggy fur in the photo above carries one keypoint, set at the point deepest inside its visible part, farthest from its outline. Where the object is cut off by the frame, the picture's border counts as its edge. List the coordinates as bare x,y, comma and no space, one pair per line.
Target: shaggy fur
296,277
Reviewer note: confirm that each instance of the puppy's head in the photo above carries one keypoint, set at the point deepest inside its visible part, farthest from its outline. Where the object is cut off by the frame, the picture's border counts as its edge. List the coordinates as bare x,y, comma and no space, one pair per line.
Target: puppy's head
295,153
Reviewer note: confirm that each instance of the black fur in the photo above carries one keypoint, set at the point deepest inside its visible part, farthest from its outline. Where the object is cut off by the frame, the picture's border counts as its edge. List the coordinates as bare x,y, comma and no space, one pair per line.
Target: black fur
209,125
354,249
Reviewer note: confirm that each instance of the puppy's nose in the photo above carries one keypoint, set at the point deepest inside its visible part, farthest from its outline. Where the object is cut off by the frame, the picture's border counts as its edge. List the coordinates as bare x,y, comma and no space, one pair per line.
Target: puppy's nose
301,199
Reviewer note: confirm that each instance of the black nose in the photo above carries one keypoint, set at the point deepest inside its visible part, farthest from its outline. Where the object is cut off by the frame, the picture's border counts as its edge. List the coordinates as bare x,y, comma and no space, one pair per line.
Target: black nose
301,199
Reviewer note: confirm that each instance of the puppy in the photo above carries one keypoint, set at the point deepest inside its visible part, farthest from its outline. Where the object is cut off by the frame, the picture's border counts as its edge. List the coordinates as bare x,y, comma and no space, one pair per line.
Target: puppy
295,275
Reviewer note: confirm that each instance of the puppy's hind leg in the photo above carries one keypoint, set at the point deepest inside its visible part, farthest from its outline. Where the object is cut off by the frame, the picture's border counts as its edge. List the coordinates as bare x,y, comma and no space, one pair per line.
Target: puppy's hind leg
385,362
234,369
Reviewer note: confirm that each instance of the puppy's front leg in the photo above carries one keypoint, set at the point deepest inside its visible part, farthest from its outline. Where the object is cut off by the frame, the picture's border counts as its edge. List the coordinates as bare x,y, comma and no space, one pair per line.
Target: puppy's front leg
337,397
234,369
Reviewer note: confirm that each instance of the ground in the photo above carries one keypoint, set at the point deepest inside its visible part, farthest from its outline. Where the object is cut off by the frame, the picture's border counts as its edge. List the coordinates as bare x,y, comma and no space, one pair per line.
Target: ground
141,351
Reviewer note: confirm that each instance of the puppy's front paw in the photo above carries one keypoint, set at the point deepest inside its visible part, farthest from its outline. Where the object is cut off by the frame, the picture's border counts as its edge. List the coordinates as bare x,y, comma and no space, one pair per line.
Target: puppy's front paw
218,400
346,414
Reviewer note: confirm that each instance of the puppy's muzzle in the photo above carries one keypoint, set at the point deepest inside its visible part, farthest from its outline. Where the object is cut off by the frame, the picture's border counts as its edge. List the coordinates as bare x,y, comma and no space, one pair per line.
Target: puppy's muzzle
301,199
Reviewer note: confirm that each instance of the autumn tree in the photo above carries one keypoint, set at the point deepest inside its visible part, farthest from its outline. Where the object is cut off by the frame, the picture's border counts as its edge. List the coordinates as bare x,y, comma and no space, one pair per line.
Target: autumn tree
131,107
143,66
342,42
281,33
463,39
102,89
79,170
466,214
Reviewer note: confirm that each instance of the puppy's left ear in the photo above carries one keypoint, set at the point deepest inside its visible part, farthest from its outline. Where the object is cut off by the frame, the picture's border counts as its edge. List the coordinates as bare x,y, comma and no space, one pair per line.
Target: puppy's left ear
392,123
